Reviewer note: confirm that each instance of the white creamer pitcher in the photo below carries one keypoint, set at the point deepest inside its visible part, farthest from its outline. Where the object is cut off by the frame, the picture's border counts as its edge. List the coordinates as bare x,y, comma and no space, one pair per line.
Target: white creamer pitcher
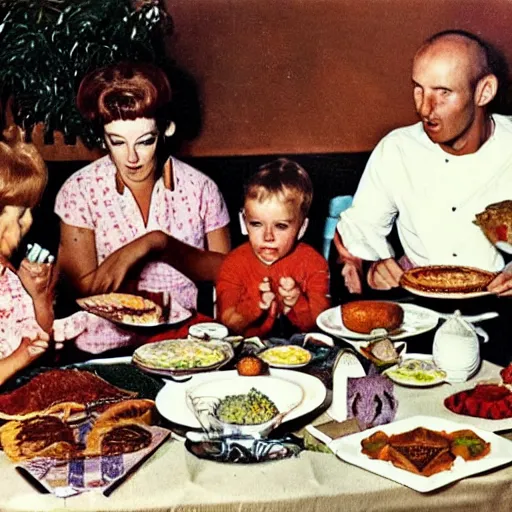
456,348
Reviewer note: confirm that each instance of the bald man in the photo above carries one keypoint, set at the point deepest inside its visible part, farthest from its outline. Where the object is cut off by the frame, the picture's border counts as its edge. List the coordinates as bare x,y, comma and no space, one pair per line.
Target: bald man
434,176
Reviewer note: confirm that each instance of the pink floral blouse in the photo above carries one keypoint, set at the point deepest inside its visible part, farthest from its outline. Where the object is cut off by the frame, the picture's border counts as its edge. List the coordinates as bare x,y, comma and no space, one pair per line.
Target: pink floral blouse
17,316
89,199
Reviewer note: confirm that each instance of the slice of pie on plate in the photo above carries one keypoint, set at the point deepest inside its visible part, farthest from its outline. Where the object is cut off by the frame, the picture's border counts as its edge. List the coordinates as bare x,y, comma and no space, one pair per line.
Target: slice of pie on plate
496,222
123,308
446,279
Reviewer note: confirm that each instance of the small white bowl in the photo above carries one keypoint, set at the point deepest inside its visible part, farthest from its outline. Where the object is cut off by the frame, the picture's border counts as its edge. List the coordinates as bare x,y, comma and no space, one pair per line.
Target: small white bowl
208,331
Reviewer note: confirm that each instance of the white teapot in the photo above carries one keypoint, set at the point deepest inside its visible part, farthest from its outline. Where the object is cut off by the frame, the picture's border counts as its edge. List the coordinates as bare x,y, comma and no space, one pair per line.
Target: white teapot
456,348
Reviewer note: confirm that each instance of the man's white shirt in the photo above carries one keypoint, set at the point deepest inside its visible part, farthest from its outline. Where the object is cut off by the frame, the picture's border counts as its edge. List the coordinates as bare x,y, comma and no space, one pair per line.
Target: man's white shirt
433,196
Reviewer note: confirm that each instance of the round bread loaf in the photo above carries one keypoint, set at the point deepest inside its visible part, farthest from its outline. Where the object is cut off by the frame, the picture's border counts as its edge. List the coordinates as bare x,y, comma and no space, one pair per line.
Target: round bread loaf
363,316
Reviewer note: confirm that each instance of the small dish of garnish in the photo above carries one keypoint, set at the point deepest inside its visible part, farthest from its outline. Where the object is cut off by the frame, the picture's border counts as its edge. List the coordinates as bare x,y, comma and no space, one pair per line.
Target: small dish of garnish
417,370
286,356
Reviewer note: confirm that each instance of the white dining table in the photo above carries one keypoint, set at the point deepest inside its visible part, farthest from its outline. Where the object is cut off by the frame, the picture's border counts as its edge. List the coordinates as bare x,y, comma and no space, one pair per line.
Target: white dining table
175,480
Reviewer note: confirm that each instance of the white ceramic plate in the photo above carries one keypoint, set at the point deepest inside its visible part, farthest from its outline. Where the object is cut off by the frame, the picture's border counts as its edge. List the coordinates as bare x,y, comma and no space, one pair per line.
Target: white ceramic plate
171,401
283,352
445,295
82,303
409,382
349,449
417,320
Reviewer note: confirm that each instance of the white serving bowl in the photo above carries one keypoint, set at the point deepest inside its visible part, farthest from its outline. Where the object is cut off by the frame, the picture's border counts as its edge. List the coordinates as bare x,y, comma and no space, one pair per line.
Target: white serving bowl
204,399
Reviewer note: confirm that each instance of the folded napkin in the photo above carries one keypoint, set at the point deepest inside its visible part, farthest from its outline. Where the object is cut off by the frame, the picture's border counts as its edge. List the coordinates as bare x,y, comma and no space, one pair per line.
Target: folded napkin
65,478
322,433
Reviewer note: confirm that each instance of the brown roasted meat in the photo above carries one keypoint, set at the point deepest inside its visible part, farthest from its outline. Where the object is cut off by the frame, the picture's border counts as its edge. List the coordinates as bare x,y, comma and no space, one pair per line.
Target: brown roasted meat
496,222
363,316
59,392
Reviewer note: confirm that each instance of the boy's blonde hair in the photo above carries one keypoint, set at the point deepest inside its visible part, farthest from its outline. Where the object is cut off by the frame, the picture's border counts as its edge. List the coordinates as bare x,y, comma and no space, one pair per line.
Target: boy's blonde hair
284,178
23,173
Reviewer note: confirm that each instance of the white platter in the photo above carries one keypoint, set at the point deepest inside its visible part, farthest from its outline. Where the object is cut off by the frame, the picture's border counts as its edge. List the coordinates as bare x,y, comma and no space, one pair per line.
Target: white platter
417,320
171,401
445,295
349,449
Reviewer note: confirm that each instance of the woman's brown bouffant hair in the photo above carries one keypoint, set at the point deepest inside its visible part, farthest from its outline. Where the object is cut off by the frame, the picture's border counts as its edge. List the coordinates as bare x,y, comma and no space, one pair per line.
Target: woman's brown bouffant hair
125,91
23,173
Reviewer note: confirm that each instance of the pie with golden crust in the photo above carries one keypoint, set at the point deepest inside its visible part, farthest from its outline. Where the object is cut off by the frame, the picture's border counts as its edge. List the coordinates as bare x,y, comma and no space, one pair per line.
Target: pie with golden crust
447,279
124,308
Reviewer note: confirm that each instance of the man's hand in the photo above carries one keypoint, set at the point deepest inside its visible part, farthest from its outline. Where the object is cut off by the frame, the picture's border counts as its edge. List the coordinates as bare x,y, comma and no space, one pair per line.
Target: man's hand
352,266
502,284
384,274
267,297
289,293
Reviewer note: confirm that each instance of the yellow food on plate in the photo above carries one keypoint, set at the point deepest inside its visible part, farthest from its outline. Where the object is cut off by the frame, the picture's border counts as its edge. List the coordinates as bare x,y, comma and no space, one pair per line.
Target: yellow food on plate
286,355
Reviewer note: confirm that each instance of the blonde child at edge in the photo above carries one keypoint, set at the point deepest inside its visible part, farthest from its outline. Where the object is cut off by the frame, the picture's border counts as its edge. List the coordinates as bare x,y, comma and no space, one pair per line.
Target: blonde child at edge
26,295
273,274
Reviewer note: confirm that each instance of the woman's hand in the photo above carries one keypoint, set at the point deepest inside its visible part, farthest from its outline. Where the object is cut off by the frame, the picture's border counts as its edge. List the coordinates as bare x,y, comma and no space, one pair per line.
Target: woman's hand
289,293
109,276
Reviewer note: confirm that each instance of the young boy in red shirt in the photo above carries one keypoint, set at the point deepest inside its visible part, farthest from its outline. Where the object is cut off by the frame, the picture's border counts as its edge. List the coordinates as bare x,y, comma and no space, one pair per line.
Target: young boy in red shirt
273,275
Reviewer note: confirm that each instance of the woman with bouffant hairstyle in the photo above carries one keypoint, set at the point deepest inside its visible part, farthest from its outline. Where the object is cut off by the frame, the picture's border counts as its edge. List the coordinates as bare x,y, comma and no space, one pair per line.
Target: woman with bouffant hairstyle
125,91
141,220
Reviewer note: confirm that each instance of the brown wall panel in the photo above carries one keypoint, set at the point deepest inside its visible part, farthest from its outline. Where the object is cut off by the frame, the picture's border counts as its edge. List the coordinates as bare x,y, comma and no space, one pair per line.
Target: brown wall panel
312,76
